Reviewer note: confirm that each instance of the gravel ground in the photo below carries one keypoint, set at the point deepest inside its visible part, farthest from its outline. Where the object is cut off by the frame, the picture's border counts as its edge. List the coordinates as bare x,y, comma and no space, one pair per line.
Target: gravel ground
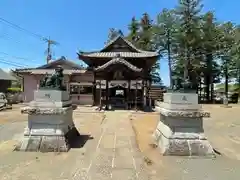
223,131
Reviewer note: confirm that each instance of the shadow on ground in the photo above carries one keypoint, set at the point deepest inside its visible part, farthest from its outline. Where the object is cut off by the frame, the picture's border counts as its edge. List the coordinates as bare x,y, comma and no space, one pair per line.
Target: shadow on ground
79,141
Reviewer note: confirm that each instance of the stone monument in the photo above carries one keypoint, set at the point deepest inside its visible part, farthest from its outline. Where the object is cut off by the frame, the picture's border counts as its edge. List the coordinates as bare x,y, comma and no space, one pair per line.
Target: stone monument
180,129
50,122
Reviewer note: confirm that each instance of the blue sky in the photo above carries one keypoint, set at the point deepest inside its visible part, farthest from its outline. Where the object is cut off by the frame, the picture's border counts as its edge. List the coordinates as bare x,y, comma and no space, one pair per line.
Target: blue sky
79,24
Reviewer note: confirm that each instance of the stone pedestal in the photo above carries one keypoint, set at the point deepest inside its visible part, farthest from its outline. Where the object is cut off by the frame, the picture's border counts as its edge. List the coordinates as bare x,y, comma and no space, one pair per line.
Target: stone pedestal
50,122
180,129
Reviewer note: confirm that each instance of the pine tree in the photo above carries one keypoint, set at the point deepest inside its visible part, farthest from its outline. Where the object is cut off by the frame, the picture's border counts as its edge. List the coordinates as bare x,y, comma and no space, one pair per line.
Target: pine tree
236,58
226,41
145,42
164,39
145,34
209,44
188,37
133,27
113,33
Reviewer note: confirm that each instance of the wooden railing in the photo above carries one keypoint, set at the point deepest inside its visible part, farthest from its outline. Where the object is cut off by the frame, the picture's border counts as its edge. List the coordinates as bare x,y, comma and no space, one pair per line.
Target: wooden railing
156,93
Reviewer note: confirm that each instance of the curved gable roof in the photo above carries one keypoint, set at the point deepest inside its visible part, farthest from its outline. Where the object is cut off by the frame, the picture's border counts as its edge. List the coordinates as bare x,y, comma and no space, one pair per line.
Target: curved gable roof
118,60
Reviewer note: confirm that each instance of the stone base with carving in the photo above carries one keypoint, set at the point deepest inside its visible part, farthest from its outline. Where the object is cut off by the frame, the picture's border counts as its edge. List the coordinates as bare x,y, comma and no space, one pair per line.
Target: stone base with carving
180,129
50,123
48,143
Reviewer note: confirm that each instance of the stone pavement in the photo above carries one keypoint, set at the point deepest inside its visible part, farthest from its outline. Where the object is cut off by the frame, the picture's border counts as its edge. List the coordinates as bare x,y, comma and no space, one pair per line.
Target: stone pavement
108,150
110,153
115,154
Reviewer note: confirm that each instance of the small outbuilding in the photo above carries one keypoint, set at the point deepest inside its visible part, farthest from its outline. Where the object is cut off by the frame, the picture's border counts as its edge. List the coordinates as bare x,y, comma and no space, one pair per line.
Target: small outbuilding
5,80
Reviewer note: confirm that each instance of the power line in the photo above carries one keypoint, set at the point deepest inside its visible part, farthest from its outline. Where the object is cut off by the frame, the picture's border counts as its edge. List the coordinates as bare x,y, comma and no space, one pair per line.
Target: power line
11,63
6,36
15,26
20,64
15,57
49,41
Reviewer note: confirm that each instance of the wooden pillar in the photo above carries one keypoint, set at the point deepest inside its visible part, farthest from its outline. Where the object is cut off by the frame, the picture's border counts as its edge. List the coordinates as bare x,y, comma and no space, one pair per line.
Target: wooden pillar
94,88
79,93
93,94
67,83
100,94
136,97
107,95
128,95
144,93
149,97
150,103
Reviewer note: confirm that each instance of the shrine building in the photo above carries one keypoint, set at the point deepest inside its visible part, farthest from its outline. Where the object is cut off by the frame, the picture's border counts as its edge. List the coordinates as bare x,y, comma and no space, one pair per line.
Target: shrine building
117,76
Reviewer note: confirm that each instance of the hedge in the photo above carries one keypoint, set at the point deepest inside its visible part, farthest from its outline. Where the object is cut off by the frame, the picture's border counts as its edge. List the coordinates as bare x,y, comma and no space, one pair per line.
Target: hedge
14,90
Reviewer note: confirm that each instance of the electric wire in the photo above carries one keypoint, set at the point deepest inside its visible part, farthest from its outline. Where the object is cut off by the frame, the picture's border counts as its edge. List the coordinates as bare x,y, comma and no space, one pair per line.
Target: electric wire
17,27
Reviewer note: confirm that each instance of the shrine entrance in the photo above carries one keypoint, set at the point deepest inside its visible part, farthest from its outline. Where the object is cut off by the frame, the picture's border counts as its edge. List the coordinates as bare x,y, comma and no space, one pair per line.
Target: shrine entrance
118,94
119,84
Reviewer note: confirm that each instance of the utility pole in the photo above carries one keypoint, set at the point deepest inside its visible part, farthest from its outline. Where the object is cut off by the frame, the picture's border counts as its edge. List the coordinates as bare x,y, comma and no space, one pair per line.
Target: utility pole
49,42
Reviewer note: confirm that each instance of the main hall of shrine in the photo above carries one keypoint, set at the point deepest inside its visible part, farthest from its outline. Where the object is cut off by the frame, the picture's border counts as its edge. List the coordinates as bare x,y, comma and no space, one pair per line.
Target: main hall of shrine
117,76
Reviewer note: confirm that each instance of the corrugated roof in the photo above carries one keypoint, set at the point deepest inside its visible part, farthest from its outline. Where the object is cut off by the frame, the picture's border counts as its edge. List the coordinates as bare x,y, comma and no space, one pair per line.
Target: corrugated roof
6,76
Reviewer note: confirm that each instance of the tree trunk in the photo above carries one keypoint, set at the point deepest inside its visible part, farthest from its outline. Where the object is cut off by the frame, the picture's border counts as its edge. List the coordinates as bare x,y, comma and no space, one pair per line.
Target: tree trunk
212,92
239,85
169,59
208,76
226,81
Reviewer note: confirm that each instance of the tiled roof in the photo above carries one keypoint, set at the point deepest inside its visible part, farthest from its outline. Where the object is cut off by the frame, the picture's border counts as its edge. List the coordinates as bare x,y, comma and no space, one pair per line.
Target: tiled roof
127,42
49,68
61,60
118,60
122,54
50,71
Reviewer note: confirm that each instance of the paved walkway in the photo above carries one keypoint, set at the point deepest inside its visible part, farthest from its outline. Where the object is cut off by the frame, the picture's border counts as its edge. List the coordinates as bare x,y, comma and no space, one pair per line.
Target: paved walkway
112,153
115,154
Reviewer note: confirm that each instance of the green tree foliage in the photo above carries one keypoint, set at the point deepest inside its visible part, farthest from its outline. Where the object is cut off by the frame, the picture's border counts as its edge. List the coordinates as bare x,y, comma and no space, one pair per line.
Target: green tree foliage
113,33
210,67
195,43
133,28
145,33
226,42
163,34
235,73
145,42
189,38
141,35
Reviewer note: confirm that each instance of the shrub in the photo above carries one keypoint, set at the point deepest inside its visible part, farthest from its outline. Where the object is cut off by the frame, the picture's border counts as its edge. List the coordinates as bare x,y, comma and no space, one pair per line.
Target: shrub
14,90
